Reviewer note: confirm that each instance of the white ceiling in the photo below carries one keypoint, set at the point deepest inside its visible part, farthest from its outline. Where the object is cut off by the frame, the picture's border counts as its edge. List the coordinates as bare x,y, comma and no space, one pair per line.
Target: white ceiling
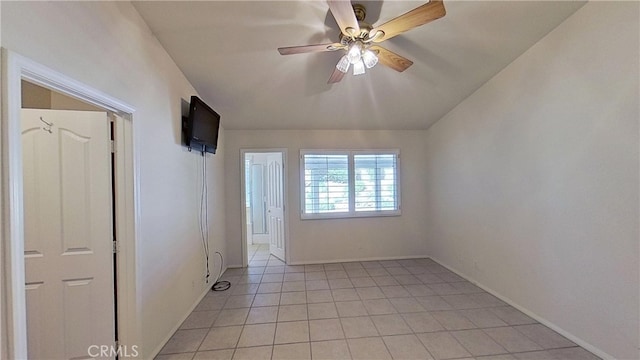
227,50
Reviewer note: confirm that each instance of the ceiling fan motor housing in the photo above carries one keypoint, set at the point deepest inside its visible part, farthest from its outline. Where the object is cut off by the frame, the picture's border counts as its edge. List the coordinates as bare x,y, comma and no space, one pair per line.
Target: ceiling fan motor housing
360,11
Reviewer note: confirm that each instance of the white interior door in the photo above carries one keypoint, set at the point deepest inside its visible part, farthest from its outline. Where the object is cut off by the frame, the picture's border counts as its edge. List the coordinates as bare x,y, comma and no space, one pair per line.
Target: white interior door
68,232
275,205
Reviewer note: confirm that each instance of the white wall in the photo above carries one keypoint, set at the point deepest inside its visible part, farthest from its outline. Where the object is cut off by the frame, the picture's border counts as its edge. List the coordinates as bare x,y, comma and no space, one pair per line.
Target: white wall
107,46
37,97
533,180
34,96
62,102
337,239
3,301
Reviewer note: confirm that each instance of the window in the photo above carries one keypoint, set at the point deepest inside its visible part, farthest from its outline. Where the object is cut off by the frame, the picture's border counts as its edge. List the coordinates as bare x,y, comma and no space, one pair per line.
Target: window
338,184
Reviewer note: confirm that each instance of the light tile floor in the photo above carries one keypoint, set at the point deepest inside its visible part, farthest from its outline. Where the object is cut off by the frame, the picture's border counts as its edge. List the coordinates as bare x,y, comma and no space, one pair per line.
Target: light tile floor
405,309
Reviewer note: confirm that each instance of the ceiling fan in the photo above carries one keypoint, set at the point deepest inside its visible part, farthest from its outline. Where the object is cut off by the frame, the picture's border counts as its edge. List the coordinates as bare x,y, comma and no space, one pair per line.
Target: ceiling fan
359,39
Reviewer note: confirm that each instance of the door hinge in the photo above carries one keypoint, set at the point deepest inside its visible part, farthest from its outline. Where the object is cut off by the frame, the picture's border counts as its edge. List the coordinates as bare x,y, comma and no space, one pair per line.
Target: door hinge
113,146
115,246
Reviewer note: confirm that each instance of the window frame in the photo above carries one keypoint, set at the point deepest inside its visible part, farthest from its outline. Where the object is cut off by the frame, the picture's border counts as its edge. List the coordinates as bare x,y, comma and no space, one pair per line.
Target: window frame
351,213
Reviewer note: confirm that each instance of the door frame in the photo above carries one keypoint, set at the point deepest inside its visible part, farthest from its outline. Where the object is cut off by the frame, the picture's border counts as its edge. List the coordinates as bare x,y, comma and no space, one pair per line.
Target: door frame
285,201
14,69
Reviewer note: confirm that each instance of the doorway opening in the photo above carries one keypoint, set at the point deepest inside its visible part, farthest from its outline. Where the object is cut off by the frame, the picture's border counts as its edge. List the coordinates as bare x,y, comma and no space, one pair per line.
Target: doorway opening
69,223
263,203
15,71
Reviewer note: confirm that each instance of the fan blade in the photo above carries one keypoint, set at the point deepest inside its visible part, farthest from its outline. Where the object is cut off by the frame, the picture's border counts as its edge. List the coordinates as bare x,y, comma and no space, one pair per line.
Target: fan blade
309,48
335,77
391,59
419,16
345,17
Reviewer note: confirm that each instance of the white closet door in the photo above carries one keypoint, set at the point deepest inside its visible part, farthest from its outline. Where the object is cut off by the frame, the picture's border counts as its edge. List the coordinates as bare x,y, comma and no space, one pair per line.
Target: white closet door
68,232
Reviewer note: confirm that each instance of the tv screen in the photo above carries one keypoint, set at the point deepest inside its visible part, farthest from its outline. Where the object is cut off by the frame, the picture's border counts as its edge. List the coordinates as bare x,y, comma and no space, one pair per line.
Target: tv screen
201,130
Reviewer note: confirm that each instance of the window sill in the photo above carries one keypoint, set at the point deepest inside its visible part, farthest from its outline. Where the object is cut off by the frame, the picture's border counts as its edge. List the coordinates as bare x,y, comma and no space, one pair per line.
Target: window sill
360,214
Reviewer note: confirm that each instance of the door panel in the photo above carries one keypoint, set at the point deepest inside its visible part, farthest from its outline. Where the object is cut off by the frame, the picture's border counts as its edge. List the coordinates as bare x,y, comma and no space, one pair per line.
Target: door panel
76,191
68,232
32,237
77,308
35,299
275,205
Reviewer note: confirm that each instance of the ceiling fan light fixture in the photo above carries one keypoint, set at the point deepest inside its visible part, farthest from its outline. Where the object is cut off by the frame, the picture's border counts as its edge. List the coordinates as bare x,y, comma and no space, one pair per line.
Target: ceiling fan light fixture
343,64
369,58
358,68
355,52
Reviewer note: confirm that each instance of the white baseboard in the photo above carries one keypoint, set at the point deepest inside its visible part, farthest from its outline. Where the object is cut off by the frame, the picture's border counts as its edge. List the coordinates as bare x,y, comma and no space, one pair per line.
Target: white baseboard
357,259
587,346
157,350
346,260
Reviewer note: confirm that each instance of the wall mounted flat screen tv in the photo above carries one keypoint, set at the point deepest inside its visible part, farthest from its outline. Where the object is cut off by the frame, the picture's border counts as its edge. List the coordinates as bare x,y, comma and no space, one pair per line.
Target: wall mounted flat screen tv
201,127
